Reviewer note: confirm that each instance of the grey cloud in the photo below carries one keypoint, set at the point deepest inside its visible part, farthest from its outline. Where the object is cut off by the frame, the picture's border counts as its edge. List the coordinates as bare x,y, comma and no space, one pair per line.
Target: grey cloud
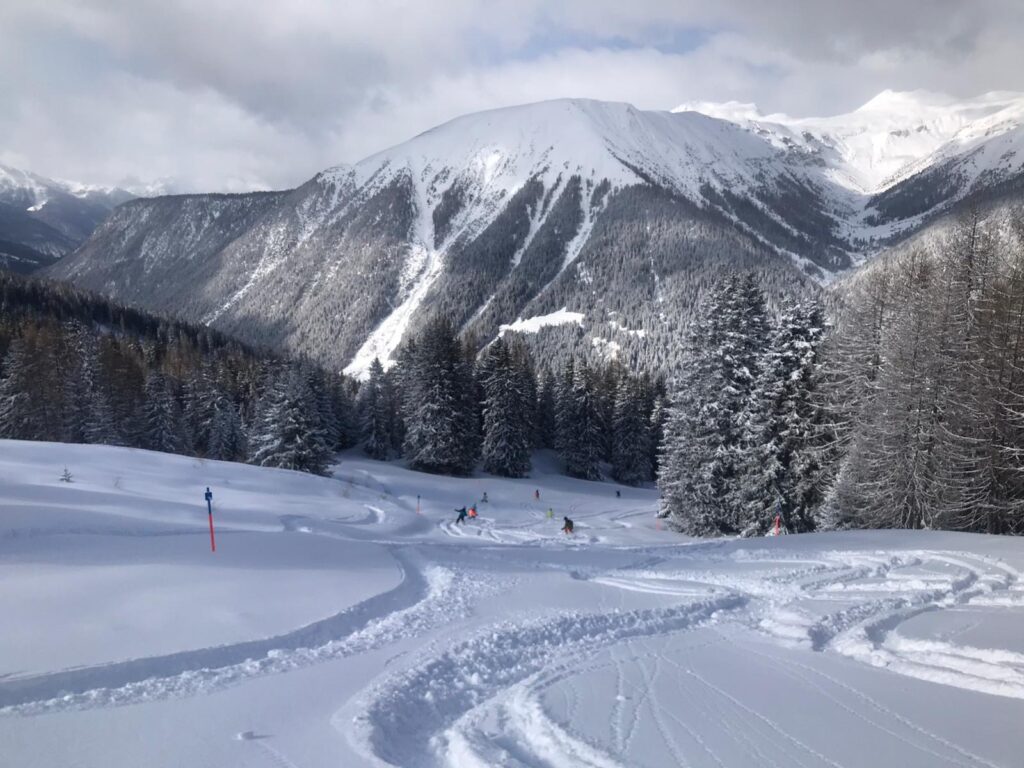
231,95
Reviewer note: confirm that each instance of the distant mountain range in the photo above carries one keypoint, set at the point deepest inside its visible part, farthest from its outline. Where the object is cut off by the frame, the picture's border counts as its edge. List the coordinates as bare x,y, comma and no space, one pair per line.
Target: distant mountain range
42,220
608,215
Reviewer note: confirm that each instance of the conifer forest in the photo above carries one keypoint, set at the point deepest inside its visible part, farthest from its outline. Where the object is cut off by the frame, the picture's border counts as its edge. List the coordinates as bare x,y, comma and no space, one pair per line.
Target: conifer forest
894,400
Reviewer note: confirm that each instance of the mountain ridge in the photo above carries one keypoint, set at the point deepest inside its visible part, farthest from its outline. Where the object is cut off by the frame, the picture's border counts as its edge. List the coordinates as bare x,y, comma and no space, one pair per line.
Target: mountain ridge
42,219
524,211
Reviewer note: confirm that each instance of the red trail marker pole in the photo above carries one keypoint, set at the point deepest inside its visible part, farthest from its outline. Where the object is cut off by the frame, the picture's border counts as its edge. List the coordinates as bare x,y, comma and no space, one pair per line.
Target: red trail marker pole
209,509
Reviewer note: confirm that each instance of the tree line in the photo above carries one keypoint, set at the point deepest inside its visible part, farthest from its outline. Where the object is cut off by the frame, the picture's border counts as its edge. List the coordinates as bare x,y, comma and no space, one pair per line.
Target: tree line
77,368
906,410
444,408
903,409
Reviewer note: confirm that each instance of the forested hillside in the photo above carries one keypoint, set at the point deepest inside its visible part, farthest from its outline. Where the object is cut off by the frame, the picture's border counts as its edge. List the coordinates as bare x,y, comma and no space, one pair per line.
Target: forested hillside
78,368
906,411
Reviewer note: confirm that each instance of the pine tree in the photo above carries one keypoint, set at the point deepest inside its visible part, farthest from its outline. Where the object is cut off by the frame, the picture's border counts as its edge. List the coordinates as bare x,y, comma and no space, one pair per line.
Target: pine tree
165,428
100,425
564,411
20,416
656,424
782,473
441,434
508,403
631,434
375,413
702,450
226,439
581,447
288,434
197,409
545,411
76,385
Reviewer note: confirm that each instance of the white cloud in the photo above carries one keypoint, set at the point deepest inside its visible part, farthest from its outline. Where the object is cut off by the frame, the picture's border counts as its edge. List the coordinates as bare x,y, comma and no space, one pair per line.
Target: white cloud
229,95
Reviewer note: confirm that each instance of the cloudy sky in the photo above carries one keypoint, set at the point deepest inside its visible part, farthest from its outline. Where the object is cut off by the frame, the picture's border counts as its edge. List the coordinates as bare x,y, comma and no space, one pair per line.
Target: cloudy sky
246,94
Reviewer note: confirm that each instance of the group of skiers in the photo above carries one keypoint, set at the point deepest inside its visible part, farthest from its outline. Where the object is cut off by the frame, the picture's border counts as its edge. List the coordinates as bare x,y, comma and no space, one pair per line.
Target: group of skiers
463,514
471,513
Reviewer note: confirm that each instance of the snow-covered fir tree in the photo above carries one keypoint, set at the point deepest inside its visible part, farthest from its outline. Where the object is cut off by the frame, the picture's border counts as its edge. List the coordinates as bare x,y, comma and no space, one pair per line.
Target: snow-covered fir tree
201,393
546,425
508,406
19,417
288,433
440,418
164,425
656,424
579,425
376,412
781,472
701,457
226,440
631,434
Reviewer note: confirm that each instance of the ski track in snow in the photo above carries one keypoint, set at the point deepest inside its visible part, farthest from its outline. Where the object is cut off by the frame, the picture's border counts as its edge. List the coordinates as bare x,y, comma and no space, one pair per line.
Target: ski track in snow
656,632
425,598
429,714
403,718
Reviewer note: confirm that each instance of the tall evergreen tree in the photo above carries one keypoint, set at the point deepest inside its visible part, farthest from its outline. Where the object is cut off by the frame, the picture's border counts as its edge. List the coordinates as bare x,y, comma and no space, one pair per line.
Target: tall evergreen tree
165,429
546,428
631,434
699,473
226,436
19,415
782,473
440,418
288,433
508,402
375,413
579,421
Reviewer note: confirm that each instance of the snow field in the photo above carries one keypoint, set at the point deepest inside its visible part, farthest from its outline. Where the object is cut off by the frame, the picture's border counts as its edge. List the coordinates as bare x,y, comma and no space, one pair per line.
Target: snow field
338,625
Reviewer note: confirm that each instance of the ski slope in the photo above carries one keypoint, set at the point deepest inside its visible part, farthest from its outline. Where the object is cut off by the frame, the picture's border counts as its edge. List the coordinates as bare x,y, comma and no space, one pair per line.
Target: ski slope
342,622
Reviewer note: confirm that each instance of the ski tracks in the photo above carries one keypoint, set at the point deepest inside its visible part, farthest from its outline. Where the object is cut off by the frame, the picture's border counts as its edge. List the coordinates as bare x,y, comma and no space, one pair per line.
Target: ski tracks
408,720
426,598
875,640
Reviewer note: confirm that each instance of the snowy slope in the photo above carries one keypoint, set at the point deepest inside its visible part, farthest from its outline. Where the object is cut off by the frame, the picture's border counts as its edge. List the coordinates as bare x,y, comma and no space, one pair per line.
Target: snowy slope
349,621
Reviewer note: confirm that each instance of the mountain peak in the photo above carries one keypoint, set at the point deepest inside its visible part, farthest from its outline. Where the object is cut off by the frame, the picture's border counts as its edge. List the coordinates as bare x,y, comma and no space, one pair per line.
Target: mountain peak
733,111
903,101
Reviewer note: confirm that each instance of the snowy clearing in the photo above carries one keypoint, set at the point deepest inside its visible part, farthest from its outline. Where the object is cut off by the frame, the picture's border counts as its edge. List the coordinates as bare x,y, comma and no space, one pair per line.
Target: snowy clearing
534,324
349,621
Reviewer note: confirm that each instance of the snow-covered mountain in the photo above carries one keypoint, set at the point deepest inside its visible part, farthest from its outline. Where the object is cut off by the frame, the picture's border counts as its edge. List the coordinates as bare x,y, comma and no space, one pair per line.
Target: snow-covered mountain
42,219
583,206
903,155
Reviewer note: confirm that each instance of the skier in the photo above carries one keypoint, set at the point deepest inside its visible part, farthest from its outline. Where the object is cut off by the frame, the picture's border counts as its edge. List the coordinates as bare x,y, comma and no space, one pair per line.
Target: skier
472,512
567,528
484,499
536,495
462,516
618,494
551,513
